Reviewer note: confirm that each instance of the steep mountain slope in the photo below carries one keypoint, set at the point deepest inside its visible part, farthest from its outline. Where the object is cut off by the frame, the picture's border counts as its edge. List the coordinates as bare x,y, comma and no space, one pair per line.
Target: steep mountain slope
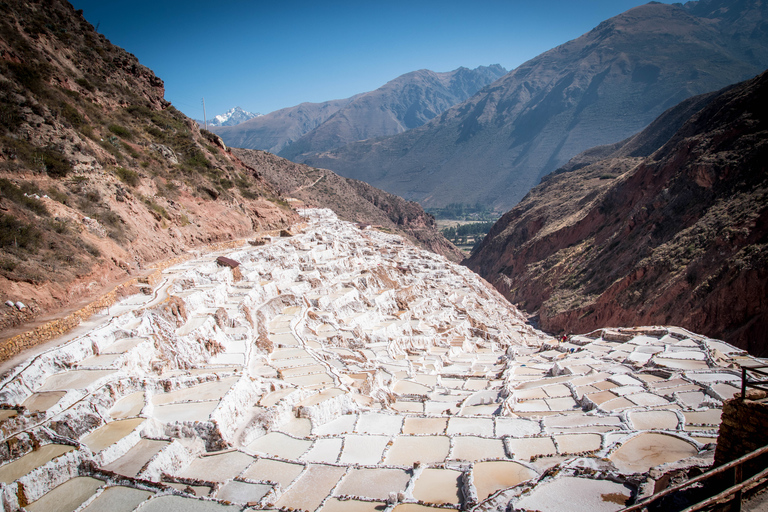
99,175
274,131
678,237
404,103
597,89
408,101
350,199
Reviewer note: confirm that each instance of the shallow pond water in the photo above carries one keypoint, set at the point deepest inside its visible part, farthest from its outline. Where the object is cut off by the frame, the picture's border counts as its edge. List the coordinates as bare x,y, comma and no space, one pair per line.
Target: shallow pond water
67,496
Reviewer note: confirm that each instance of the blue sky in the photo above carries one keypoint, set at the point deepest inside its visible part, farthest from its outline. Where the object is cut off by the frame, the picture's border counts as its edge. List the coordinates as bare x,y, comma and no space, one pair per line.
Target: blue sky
264,56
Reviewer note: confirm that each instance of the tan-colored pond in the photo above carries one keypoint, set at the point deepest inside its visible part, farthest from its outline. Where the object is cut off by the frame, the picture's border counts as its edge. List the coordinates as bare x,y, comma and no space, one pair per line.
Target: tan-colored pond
182,504
472,448
439,486
109,434
213,390
337,505
576,495
217,468
312,487
524,449
131,463
43,401
33,460
269,470
118,499
492,476
74,379
67,496
425,425
373,483
128,406
653,420
650,449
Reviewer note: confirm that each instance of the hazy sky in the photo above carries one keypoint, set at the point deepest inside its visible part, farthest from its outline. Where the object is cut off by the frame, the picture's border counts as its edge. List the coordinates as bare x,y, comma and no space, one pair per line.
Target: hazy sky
264,56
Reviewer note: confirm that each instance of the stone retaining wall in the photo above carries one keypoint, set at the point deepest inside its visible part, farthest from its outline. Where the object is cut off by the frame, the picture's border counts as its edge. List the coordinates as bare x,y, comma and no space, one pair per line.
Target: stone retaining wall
744,429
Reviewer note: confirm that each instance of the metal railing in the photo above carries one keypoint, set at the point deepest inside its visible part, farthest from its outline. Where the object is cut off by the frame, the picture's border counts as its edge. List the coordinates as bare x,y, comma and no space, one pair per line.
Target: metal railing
733,493
747,383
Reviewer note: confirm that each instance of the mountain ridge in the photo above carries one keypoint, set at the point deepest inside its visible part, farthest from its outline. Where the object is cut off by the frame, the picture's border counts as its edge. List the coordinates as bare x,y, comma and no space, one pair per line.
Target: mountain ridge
402,103
674,237
596,89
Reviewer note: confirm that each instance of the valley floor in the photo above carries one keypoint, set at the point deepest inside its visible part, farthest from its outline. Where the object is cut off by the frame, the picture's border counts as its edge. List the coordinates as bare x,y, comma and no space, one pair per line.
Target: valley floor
344,369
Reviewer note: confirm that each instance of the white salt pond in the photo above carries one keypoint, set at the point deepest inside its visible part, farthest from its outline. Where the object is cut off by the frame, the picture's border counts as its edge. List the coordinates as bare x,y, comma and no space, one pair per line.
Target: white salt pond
576,495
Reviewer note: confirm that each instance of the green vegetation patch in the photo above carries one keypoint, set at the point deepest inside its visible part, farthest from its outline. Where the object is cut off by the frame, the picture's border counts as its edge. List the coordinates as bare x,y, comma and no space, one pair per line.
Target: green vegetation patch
120,131
127,176
17,234
21,196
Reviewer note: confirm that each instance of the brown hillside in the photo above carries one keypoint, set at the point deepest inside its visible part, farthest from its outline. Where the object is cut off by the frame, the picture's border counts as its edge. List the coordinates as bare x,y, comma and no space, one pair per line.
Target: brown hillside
99,175
678,237
350,199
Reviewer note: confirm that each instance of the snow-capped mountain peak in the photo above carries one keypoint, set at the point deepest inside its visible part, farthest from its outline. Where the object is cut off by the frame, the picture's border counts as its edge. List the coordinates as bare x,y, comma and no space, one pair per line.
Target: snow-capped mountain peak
231,117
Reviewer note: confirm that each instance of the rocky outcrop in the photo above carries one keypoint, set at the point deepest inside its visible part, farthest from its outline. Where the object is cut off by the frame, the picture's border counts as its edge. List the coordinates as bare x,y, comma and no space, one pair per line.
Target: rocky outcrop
677,237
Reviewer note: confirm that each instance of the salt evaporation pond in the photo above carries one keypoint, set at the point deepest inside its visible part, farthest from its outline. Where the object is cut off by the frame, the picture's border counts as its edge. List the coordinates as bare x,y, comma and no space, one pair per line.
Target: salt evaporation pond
348,370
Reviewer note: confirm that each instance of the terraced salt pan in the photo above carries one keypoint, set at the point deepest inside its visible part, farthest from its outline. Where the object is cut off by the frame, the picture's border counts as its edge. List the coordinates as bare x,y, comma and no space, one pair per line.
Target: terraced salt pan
42,401
274,471
381,365
312,487
438,486
128,406
67,496
242,492
183,504
74,379
134,460
647,450
32,460
110,433
576,495
374,484
407,450
118,499
493,476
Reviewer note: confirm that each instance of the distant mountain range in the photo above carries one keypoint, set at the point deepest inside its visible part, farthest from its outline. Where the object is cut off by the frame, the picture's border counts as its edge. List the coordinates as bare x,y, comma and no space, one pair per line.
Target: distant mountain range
406,102
665,228
231,117
597,89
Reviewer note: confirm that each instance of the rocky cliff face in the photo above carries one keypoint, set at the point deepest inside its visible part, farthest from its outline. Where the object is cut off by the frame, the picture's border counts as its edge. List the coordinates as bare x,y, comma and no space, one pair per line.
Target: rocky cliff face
597,89
99,175
677,237
351,200
406,102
